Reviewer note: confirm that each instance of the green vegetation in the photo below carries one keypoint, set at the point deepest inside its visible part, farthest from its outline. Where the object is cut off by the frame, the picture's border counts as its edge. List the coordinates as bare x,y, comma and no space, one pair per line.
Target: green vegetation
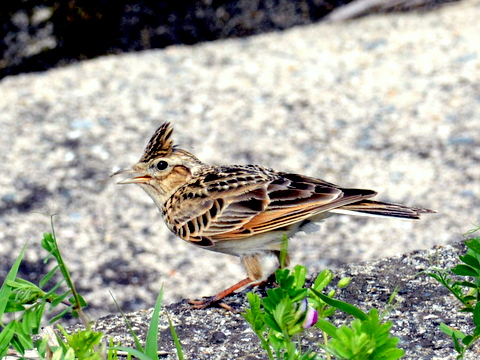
27,302
465,287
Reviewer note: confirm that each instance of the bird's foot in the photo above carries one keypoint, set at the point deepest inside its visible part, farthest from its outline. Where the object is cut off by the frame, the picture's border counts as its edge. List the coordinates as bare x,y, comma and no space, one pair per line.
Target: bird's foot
215,300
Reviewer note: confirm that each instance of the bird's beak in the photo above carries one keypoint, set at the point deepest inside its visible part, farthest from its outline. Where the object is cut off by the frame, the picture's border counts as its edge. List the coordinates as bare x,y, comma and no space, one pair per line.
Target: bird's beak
135,180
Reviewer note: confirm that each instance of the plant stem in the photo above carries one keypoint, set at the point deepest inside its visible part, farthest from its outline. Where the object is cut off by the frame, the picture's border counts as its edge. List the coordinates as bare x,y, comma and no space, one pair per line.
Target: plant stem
66,274
325,340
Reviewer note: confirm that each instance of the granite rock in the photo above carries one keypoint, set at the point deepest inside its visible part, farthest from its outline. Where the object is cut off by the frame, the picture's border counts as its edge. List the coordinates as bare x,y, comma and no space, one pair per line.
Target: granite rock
387,102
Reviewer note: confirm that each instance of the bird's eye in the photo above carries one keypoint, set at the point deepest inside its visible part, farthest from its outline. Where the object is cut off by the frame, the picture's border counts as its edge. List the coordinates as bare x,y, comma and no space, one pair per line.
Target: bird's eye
162,165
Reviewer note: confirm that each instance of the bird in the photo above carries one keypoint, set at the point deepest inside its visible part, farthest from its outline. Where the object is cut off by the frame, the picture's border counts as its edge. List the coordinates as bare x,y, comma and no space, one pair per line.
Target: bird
242,210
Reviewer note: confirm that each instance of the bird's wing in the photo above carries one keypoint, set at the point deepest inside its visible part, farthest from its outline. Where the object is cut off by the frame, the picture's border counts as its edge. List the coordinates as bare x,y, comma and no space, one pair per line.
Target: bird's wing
245,201
293,198
217,203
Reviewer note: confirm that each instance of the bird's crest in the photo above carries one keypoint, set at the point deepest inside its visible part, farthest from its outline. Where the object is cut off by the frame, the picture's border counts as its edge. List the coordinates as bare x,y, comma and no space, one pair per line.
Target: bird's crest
161,143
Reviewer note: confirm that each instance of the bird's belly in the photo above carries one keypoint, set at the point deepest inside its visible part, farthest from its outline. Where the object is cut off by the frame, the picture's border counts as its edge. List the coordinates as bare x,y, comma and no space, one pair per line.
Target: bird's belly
269,241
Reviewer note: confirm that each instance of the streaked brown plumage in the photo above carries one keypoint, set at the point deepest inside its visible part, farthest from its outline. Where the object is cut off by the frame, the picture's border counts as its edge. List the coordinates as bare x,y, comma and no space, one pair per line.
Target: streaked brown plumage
242,210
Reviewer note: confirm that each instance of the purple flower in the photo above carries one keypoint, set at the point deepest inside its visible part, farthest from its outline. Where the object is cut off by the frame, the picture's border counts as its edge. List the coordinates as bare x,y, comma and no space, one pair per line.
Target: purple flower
311,318
311,315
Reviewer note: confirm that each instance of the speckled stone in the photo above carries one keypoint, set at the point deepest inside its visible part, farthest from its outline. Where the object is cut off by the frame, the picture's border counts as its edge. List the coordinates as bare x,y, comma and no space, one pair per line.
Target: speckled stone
387,102
416,312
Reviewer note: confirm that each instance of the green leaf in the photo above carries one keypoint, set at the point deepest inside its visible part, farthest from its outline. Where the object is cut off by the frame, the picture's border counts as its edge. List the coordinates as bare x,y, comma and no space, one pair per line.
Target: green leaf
22,340
436,277
151,344
466,284
473,244
272,323
470,260
300,274
254,315
458,347
58,299
6,290
468,298
54,288
81,300
451,332
476,315
281,313
464,270
274,297
284,279
62,314
11,307
83,342
47,277
327,327
39,316
6,338
446,329
277,342
343,282
392,354
23,291
41,347
348,308
29,321
467,340
322,280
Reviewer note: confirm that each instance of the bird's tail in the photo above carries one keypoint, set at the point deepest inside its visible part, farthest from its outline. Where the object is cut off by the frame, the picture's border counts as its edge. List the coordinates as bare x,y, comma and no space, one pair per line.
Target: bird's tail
384,209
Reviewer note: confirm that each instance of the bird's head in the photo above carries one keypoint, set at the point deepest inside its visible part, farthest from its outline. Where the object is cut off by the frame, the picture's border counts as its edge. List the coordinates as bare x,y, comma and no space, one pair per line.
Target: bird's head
163,167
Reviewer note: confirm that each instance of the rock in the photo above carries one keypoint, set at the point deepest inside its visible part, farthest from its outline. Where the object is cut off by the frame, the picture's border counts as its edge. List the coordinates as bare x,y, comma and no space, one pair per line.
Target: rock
41,35
421,305
387,102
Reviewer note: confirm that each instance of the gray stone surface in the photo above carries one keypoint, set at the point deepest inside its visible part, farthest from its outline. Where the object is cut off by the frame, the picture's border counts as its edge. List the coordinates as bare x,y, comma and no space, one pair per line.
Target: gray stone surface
419,308
389,103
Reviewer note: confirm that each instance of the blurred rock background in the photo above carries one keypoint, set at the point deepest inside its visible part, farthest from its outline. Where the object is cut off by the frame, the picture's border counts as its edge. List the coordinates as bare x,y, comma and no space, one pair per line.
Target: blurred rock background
389,102
41,34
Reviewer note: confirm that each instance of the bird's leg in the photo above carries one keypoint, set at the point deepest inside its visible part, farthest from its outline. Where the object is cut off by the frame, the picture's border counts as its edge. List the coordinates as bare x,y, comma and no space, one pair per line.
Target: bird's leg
254,271
208,301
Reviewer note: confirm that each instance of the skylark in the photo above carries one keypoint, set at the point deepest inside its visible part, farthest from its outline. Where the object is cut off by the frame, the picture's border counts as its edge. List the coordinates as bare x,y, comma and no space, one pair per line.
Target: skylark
242,210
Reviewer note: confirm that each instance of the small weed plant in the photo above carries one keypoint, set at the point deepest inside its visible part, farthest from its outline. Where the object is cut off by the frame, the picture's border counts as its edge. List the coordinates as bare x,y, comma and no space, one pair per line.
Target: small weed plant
463,281
288,311
27,303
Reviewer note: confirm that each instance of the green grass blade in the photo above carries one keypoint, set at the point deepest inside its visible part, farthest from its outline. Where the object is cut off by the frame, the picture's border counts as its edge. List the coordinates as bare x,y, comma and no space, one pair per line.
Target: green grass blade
132,332
283,251
151,344
178,345
6,290
137,353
